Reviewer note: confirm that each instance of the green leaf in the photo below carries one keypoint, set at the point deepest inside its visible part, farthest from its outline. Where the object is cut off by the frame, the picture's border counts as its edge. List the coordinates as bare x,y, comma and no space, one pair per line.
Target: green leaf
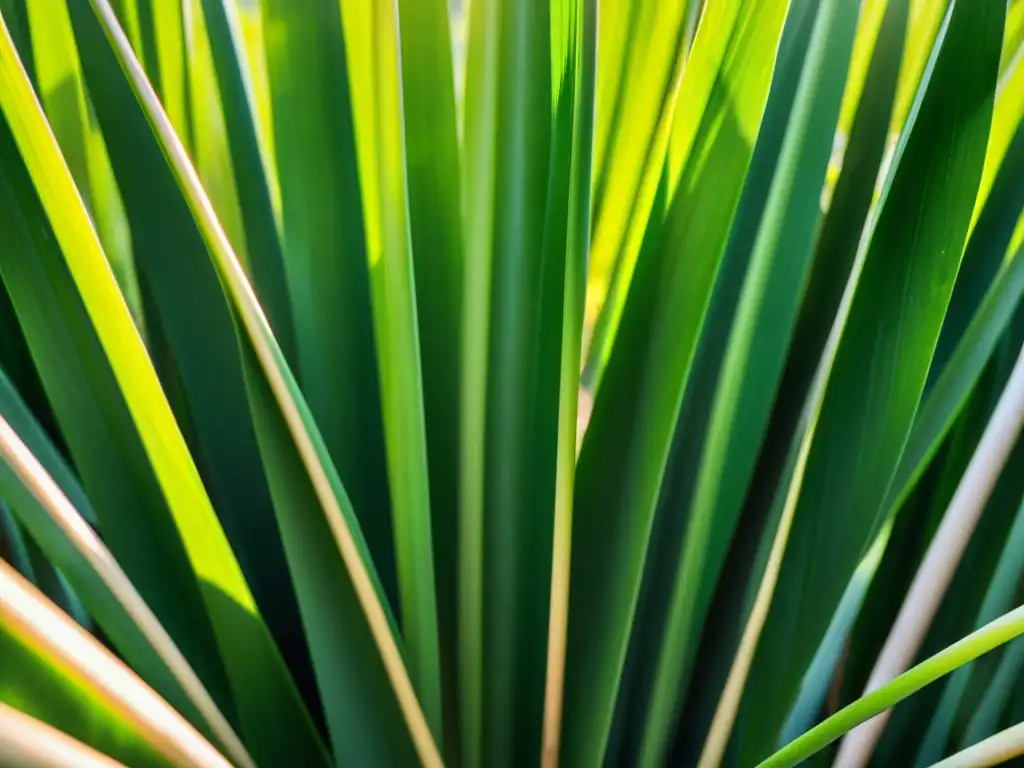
326,254
363,718
172,259
97,597
516,208
372,38
820,674
883,356
141,475
84,388
26,740
844,221
12,544
945,399
997,698
58,81
54,671
980,543
1006,119
992,635
691,427
998,597
627,443
300,471
834,260
754,357
61,89
132,624
986,252
210,149
642,48
577,90
434,186
911,533
263,248
479,187
15,13
922,34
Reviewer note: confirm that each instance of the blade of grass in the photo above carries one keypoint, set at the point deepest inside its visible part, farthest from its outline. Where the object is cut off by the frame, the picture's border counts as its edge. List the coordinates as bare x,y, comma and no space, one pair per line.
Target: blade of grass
631,143
253,35
750,566
146,475
998,598
925,22
913,529
940,408
172,80
210,149
616,22
14,408
83,388
271,383
995,750
675,495
479,194
835,258
434,184
16,362
27,741
521,401
942,404
112,582
990,709
59,84
325,249
58,673
1014,35
943,557
374,63
512,339
582,68
15,13
263,243
882,358
820,676
622,231
62,92
754,356
12,545
198,336
627,443
992,635
1005,123
866,45
986,249
51,541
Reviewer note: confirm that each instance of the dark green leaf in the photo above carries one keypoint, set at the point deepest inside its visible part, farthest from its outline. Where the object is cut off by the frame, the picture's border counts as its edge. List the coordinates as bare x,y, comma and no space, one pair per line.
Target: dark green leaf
883,356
